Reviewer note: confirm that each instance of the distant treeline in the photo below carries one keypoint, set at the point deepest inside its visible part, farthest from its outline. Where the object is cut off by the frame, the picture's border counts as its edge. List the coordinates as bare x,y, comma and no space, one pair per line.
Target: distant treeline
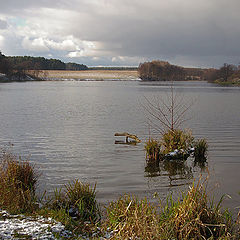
164,71
228,73
41,63
75,66
18,63
160,71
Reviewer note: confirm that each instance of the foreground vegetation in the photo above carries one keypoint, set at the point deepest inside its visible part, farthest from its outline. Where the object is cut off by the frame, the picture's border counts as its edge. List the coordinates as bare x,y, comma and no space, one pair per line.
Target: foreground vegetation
191,216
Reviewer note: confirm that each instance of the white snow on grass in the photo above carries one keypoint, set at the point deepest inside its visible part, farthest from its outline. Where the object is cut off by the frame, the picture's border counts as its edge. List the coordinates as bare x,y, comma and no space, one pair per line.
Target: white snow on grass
22,227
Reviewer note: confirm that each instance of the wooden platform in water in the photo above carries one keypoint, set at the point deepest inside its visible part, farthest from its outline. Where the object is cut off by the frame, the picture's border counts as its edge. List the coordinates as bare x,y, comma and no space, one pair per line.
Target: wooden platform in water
127,135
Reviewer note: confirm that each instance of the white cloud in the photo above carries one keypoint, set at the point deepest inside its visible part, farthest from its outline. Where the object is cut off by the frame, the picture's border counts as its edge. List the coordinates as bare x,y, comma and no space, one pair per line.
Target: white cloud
1,41
76,54
36,45
85,49
65,45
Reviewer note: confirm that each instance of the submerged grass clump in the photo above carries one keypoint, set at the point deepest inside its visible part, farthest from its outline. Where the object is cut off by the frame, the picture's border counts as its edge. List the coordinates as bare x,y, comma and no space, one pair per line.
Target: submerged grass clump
193,217
152,148
18,179
200,151
171,140
176,144
176,139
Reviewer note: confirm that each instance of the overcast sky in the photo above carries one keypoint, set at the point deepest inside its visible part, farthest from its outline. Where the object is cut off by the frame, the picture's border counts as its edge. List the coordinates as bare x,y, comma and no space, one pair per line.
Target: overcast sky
202,33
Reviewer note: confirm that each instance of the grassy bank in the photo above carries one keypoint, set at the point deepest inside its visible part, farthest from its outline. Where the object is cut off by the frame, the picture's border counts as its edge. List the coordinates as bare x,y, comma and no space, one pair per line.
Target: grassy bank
192,216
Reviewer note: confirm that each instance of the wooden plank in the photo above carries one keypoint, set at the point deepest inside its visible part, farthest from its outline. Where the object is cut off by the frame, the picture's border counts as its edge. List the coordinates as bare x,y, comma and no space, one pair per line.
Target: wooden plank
127,135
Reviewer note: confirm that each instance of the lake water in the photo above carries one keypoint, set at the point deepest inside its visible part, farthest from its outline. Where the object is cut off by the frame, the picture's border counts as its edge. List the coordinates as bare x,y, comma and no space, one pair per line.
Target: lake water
67,129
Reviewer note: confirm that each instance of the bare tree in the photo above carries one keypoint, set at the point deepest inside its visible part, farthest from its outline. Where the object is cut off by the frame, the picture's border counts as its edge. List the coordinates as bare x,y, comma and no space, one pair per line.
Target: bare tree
167,113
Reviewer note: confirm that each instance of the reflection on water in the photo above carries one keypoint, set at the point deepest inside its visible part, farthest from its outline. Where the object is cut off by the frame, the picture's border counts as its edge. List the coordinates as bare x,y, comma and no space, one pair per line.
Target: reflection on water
176,170
124,142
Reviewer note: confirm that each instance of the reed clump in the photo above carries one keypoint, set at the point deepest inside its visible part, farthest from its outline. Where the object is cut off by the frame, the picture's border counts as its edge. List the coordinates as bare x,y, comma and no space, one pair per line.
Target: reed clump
152,148
200,150
131,218
176,139
76,201
192,217
18,180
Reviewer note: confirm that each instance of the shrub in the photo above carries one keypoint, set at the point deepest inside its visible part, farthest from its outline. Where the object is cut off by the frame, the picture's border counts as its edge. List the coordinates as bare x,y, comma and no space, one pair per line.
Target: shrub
77,199
200,151
176,139
18,181
152,148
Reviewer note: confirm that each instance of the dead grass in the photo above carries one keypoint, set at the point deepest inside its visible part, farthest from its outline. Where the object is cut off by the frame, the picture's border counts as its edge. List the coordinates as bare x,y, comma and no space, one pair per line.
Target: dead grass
191,217
18,179
131,218
152,148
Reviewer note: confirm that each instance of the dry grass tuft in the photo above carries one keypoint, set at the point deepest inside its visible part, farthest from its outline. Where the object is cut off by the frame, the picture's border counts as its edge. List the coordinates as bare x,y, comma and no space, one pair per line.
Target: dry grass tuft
193,217
132,219
76,197
152,148
18,179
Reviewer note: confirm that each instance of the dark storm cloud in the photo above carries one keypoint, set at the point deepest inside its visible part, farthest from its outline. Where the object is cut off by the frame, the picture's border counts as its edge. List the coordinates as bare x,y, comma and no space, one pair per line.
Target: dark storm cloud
195,30
200,29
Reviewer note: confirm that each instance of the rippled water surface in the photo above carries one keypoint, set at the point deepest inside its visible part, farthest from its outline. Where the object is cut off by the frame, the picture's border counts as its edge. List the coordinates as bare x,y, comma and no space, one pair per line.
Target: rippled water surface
67,128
